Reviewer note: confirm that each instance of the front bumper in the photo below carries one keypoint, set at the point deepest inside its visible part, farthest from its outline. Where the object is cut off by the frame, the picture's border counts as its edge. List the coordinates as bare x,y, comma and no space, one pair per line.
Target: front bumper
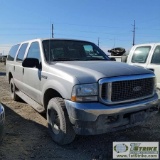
2,119
97,118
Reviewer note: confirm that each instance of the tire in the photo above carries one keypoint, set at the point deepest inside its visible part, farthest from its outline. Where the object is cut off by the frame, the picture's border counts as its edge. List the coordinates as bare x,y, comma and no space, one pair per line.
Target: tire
59,125
14,96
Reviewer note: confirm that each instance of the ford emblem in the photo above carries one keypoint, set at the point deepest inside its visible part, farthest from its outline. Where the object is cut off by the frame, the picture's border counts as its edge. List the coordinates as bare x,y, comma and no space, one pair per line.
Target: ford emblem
137,88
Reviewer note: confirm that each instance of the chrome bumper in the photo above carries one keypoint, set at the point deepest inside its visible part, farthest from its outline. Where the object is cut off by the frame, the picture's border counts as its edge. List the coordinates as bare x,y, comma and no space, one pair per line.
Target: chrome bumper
91,111
97,118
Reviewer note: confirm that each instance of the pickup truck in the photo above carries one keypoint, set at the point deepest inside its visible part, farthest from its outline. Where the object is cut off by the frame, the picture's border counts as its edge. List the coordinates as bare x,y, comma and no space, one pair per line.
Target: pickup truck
81,90
147,56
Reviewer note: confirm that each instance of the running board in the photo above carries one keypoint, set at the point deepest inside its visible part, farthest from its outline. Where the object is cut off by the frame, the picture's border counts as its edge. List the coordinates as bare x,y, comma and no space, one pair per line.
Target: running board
30,101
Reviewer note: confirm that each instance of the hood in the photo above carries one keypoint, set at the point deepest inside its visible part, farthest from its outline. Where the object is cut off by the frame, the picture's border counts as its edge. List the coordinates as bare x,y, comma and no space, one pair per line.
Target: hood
92,71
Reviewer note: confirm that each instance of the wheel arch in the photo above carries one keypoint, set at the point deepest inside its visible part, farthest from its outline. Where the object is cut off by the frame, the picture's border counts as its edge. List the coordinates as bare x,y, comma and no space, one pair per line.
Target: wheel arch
54,88
49,94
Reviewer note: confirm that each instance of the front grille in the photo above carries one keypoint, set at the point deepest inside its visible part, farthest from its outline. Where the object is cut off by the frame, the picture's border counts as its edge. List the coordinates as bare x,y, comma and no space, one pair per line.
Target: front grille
133,89
126,90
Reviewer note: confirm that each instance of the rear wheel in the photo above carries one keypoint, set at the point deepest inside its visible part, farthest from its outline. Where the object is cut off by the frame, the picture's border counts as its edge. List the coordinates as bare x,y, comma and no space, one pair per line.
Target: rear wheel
14,96
59,125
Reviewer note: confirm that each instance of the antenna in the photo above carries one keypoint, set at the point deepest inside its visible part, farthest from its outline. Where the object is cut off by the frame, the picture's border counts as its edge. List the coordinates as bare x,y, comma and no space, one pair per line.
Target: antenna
134,31
52,31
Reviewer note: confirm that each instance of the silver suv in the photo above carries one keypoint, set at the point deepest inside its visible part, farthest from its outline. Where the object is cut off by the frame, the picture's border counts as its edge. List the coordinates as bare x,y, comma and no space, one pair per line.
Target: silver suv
82,91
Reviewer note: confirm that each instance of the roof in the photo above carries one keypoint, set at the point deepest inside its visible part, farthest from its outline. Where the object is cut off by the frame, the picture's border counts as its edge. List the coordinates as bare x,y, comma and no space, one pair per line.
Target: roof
60,39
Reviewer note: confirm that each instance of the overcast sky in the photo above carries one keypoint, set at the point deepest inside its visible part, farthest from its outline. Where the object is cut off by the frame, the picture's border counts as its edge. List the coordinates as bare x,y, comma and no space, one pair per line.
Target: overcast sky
109,20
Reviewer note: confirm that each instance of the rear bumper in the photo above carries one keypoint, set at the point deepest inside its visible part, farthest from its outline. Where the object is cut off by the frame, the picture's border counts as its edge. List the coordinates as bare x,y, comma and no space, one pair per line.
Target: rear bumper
98,118
2,119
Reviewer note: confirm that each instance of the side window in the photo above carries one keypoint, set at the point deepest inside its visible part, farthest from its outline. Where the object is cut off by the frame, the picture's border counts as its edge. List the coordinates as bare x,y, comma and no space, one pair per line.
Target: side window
140,54
21,52
156,55
34,51
12,52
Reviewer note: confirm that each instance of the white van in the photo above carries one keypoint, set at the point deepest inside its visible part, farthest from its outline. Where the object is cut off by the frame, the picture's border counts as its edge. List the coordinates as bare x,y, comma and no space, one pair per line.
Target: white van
147,56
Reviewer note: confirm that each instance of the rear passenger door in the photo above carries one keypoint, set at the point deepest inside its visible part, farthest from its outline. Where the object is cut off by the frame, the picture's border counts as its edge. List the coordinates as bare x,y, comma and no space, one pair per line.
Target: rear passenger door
154,62
18,69
32,76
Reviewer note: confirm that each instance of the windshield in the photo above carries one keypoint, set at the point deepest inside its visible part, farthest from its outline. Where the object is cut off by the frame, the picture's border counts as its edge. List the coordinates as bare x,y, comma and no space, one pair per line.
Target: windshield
70,50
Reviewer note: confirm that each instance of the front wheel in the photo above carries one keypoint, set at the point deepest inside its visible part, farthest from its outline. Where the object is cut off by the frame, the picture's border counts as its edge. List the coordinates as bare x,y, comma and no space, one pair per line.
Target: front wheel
59,125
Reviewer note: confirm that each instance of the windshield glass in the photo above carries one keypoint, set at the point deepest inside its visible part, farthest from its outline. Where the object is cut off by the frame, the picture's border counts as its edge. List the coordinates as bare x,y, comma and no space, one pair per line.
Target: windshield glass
70,50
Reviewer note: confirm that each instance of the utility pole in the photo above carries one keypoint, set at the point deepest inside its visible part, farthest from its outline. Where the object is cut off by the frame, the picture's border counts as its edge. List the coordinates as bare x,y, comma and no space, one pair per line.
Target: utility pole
98,41
52,31
134,30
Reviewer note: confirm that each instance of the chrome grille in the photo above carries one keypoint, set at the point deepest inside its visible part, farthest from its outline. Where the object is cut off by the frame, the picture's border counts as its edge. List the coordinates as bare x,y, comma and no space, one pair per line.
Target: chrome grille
133,89
126,88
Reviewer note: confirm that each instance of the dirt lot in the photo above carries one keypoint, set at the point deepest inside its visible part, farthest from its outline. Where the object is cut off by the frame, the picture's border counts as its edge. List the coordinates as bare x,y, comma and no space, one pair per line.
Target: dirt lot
26,134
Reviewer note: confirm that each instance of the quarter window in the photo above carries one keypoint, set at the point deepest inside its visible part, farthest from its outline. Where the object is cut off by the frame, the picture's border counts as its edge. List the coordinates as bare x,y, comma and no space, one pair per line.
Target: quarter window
156,56
12,52
21,52
140,54
34,51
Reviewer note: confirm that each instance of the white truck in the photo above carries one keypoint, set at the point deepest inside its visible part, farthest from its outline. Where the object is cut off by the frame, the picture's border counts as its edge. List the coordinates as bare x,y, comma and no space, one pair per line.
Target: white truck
147,56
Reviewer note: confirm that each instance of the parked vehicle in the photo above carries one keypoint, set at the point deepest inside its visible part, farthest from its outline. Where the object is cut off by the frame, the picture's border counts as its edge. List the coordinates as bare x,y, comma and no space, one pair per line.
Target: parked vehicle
3,58
118,54
147,56
2,119
82,91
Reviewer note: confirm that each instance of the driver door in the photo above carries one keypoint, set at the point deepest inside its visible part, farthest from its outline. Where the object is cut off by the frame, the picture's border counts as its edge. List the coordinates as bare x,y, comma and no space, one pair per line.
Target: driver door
32,76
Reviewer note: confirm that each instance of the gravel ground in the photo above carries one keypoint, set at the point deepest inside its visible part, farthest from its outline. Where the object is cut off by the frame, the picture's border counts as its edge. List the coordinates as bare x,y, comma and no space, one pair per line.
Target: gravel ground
26,136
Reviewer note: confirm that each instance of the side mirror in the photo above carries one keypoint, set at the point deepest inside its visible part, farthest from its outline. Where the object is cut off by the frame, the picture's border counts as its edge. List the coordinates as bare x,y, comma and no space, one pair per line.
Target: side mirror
31,63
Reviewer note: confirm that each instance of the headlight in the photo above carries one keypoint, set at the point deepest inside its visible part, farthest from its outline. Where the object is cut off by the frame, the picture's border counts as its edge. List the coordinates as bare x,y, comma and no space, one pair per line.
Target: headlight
85,92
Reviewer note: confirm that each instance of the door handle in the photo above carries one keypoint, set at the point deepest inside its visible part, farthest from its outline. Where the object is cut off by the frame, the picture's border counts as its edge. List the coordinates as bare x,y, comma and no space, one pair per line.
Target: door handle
23,70
14,68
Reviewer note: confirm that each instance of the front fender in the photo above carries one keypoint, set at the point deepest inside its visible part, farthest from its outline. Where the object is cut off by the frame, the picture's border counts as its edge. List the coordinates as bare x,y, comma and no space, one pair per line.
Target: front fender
64,89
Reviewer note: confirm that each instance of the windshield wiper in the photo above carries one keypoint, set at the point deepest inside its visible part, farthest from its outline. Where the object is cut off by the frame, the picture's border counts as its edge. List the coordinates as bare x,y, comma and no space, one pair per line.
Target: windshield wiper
92,59
77,59
62,59
68,59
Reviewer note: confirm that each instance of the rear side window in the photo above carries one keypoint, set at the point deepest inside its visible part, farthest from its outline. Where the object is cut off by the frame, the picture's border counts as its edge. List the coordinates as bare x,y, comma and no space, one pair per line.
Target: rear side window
156,56
140,54
21,52
12,52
